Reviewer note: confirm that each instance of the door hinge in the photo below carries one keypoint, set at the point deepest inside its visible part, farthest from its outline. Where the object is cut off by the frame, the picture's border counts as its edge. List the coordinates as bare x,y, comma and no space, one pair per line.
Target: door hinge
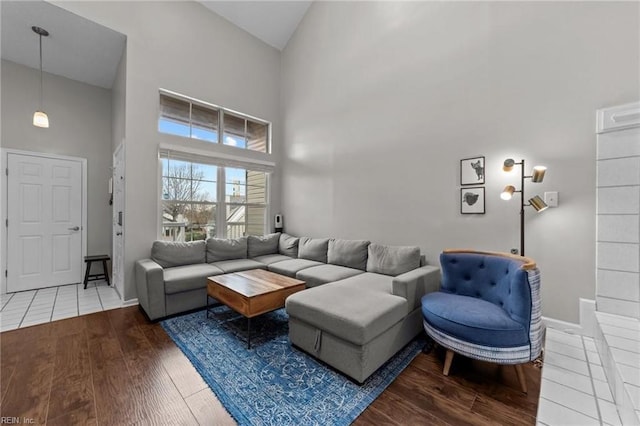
6,223
6,273
6,171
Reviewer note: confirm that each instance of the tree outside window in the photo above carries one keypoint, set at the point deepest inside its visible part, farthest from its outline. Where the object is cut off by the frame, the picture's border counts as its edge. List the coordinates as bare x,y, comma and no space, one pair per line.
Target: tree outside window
188,200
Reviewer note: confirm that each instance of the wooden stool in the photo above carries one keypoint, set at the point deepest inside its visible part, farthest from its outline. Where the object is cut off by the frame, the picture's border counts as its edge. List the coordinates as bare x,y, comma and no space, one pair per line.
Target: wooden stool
92,277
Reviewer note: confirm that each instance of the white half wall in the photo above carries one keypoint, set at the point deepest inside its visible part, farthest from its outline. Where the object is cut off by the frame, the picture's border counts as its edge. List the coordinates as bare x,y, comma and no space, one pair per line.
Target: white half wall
380,101
618,223
183,47
80,126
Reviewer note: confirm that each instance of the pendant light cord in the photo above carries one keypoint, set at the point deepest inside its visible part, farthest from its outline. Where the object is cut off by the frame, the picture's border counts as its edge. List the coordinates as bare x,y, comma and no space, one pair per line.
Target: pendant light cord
41,106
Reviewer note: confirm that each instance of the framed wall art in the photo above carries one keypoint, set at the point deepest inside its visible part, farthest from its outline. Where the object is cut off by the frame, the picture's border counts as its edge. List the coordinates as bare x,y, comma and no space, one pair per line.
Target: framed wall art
472,200
472,171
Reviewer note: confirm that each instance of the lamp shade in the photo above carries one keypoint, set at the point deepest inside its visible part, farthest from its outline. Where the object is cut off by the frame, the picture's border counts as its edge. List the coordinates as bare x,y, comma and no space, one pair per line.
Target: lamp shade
508,164
538,174
507,193
538,204
40,119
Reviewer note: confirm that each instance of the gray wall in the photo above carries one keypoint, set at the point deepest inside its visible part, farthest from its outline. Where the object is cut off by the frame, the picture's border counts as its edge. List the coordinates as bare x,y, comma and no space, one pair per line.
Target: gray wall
118,104
382,99
80,126
179,46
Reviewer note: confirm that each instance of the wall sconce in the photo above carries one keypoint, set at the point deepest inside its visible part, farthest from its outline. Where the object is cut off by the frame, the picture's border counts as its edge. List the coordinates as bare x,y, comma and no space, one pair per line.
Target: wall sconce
537,176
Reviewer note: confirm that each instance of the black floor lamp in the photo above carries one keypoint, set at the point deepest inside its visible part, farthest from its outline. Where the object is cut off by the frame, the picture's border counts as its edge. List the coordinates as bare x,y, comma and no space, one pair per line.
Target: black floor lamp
536,202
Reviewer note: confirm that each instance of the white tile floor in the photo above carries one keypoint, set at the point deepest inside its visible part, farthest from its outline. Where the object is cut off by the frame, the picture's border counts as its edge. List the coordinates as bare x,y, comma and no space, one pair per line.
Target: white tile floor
618,342
28,308
574,388
592,381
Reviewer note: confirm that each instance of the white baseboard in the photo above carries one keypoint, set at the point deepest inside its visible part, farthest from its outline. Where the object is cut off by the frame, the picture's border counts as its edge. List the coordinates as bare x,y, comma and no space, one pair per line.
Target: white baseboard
130,302
567,327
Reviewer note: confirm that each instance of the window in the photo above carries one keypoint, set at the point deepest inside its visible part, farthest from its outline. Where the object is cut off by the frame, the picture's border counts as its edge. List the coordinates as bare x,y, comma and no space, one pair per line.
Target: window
182,116
201,200
244,133
189,195
245,193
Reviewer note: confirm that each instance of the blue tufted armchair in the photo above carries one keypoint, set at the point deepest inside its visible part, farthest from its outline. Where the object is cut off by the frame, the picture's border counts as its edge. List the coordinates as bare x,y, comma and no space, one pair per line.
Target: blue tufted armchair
488,308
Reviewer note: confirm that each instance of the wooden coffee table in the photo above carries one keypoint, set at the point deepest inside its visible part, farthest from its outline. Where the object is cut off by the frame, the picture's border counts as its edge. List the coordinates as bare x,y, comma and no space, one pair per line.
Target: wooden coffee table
251,293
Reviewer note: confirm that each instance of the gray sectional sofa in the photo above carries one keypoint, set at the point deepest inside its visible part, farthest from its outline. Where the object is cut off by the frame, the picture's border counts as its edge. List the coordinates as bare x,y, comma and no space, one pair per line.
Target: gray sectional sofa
361,305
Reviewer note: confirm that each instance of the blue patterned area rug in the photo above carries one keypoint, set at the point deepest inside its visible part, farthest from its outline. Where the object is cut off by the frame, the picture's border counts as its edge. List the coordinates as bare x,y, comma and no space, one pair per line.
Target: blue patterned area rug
274,383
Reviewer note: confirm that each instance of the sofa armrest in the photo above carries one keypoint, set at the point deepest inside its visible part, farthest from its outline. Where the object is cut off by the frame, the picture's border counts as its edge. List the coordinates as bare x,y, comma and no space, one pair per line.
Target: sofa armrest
150,287
414,284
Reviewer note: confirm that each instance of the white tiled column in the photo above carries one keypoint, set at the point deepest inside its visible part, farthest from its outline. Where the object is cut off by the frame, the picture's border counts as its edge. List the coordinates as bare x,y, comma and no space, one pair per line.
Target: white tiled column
618,220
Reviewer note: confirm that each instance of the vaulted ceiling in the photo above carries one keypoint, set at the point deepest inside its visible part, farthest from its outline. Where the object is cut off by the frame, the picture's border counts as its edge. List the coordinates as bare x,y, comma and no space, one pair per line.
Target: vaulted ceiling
76,48
85,51
273,22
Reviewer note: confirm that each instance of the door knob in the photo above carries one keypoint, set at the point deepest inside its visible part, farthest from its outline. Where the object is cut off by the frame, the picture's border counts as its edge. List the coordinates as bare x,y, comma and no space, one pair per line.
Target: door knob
75,228
118,233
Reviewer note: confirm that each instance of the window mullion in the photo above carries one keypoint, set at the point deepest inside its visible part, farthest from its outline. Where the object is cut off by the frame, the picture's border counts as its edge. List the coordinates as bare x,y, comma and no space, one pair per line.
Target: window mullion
190,120
221,127
267,201
246,188
190,201
221,211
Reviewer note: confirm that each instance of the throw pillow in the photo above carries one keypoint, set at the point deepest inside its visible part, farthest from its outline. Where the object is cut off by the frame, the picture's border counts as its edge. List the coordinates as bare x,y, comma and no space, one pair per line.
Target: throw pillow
349,253
173,253
288,245
392,260
261,245
226,249
313,249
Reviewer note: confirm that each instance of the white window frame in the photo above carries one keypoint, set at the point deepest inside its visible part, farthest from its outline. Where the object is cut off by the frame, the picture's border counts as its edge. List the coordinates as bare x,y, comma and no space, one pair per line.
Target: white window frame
222,110
221,161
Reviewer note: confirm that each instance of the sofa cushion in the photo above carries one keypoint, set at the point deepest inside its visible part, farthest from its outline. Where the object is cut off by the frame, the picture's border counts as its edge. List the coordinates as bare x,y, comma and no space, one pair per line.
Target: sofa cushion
349,253
268,259
345,309
174,253
473,320
322,274
288,245
189,277
313,249
235,265
392,260
226,248
291,267
261,245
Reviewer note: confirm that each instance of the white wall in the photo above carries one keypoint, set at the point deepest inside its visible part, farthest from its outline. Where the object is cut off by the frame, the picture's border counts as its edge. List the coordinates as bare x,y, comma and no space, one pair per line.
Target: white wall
80,126
180,46
382,99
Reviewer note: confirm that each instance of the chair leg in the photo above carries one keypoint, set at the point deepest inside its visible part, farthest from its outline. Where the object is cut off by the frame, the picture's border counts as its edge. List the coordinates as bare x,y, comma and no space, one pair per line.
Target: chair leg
447,362
521,377
86,274
106,273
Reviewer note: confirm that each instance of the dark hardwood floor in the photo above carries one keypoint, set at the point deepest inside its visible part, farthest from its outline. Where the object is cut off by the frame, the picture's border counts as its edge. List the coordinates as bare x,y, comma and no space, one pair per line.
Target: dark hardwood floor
117,368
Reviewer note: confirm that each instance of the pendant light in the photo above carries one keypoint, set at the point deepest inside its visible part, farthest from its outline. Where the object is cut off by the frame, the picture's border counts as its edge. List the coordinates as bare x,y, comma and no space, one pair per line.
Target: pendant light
40,118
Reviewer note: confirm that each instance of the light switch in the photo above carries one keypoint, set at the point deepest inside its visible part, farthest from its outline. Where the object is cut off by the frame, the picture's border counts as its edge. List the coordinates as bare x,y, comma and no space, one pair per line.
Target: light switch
551,198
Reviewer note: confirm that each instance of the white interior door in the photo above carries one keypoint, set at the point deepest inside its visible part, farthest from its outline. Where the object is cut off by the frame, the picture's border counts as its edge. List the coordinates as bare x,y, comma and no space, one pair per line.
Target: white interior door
44,232
118,220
